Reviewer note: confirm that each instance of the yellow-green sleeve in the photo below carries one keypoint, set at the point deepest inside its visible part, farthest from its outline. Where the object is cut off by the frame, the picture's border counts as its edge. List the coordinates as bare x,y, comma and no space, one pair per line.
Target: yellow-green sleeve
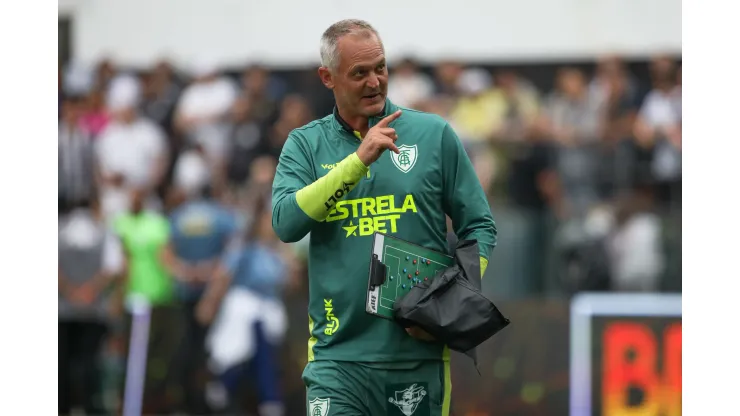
320,197
299,199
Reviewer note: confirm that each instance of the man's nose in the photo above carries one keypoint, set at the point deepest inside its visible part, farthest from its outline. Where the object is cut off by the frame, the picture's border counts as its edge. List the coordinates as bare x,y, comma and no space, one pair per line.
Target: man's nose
373,81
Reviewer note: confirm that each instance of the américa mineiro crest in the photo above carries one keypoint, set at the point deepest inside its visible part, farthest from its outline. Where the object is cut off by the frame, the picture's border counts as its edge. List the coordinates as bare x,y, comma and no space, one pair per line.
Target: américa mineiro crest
406,157
319,407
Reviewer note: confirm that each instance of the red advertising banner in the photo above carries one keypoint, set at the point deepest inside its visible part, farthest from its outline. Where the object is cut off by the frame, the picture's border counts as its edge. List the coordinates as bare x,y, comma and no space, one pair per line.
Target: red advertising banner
625,355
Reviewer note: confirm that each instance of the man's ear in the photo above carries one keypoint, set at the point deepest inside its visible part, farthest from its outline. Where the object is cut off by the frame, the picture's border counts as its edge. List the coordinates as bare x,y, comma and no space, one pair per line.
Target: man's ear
326,77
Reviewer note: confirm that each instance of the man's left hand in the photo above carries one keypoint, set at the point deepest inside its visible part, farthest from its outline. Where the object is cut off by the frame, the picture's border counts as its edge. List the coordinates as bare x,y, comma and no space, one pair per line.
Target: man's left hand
420,334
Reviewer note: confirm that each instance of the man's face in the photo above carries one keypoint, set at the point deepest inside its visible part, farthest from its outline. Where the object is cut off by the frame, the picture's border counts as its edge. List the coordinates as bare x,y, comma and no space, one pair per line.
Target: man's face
255,80
405,68
572,83
71,111
663,72
360,81
448,72
124,115
507,81
163,71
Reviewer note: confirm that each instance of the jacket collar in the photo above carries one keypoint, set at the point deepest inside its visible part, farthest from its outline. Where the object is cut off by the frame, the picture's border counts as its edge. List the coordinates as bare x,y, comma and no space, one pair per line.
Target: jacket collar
342,125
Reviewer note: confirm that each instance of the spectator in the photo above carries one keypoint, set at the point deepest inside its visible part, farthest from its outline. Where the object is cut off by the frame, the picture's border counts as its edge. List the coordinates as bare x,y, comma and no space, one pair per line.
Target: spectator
131,152
473,114
90,262
446,74
251,319
94,118
635,246
192,172
294,113
161,92
572,120
201,114
144,234
407,86
257,187
572,114
616,94
264,93
535,191
617,97
439,105
76,156
201,230
515,107
660,114
105,73
658,128
247,140
533,183
608,70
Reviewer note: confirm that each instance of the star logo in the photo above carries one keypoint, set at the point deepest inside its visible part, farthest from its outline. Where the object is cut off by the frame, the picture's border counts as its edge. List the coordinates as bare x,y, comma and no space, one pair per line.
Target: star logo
351,229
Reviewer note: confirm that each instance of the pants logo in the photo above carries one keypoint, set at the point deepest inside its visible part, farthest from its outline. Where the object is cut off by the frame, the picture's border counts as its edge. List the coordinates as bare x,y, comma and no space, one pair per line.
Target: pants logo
407,400
319,407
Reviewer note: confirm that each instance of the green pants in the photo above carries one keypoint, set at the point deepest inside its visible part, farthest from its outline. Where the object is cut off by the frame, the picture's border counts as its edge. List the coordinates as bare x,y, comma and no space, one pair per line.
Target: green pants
341,388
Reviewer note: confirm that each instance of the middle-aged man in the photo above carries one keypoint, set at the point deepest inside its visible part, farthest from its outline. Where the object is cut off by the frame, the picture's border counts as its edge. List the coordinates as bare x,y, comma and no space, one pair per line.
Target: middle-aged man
336,180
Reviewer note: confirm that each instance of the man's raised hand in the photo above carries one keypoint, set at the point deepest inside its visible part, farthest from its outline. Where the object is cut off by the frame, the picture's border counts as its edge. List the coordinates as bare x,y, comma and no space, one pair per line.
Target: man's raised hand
378,139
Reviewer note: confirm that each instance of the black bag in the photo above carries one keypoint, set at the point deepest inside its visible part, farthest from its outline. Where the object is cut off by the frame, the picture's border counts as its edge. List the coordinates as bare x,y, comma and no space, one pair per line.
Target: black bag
451,307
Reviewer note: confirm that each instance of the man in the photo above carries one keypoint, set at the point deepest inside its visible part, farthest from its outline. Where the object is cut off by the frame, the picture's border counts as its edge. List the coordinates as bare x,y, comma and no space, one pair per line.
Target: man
572,118
202,110
336,180
131,152
247,332
201,229
149,295
409,86
90,264
75,156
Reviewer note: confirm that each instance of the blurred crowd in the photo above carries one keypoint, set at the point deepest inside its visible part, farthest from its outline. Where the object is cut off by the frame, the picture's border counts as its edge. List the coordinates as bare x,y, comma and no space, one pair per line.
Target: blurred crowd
164,201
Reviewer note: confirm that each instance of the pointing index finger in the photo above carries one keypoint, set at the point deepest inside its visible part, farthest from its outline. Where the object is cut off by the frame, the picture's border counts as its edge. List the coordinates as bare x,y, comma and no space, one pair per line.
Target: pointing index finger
384,122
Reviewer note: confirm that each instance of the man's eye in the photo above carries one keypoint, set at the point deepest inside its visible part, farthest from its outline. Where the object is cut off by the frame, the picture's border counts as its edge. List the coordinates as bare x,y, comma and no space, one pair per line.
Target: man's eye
381,67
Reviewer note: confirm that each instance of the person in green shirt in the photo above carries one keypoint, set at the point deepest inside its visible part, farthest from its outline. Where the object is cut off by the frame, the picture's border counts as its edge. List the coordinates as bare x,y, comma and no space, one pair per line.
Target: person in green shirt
144,235
371,166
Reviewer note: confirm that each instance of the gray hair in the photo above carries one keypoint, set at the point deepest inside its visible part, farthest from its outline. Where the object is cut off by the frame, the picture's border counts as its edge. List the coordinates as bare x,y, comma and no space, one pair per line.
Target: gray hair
330,39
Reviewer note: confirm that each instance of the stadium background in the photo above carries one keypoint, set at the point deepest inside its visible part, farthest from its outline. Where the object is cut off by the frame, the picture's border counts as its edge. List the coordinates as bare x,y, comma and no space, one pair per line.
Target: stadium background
601,212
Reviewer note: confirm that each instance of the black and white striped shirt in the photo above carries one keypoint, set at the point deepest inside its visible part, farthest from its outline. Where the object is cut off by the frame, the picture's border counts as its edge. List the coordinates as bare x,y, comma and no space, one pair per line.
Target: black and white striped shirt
76,175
